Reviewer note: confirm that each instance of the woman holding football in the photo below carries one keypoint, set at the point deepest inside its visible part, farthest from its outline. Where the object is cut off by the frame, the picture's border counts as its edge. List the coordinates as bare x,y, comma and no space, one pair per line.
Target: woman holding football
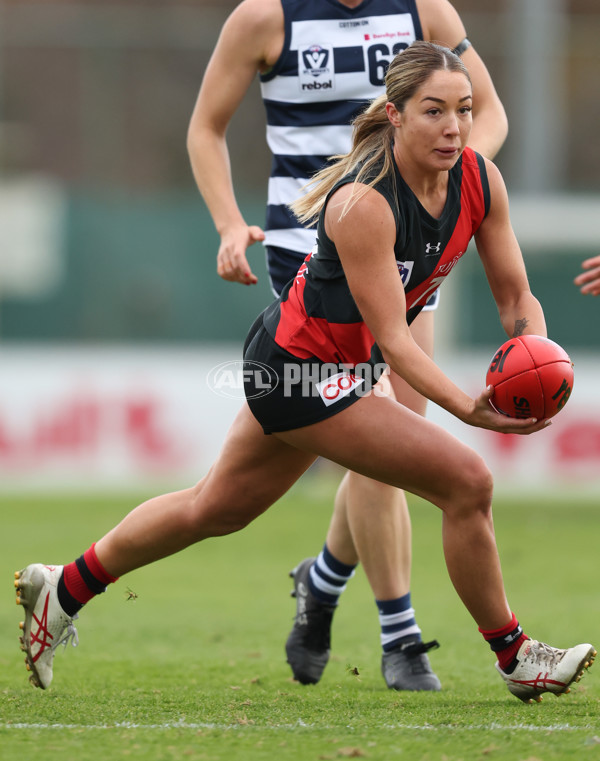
395,216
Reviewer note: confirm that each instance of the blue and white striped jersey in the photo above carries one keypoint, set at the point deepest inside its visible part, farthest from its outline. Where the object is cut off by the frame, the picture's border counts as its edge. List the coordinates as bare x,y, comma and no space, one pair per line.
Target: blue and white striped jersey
333,63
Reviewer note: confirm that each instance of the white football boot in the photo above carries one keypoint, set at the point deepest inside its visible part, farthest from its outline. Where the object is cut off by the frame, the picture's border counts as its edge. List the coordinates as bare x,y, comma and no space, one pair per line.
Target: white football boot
541,668
46,625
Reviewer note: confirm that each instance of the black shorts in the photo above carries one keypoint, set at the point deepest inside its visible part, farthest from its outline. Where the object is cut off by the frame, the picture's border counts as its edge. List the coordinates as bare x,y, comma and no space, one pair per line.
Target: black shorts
285,392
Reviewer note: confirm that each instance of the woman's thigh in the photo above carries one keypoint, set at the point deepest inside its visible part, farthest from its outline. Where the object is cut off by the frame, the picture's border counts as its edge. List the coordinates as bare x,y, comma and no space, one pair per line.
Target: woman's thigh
252,472
382,439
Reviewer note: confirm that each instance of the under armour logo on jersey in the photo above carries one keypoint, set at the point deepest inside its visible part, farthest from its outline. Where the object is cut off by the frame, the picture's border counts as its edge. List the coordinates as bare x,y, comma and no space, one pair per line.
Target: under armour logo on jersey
430,249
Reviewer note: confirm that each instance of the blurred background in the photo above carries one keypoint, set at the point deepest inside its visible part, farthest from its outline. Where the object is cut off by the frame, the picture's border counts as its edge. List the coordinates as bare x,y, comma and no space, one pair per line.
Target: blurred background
112,316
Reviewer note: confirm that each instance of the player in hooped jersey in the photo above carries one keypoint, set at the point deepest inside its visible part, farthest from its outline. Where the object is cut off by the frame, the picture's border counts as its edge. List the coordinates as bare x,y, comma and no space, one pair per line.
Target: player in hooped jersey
408,164
320,64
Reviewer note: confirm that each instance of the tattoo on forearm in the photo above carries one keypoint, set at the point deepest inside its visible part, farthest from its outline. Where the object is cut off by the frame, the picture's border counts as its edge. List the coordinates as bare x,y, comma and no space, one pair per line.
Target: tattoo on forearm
520,326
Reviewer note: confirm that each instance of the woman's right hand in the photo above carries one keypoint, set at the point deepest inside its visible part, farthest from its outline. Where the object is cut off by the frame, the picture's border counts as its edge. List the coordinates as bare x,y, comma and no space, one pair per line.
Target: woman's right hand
483,415
232,263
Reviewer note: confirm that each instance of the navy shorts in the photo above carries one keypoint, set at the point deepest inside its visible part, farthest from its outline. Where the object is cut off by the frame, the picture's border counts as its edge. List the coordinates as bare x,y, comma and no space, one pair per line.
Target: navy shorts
285,392
282,265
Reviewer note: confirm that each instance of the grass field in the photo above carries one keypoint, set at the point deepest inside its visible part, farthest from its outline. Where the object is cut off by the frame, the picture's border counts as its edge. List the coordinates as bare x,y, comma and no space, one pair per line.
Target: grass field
194,668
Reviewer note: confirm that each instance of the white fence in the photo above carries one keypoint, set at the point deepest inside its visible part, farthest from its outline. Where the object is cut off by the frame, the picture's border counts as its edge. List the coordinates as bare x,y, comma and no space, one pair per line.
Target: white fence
114,418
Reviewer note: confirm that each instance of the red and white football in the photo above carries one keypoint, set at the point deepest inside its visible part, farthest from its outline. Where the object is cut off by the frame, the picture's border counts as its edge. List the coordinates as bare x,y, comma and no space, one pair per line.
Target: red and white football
532,376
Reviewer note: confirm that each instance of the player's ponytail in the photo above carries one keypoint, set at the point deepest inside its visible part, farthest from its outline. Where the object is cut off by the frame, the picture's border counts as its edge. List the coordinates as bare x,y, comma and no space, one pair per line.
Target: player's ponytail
371,140
372,135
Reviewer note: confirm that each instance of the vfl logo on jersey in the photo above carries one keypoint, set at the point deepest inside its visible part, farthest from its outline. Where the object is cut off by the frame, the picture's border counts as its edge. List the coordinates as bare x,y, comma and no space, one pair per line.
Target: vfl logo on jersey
405,269
432,249
315,68
332,389
315,60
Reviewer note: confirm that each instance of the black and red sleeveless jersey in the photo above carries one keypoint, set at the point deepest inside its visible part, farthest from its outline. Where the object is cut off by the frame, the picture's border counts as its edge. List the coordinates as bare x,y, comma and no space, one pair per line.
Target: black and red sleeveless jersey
316,315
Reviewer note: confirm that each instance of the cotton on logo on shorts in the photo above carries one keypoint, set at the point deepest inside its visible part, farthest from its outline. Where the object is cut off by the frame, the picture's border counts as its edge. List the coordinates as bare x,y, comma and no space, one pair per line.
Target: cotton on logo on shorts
332,389
228,379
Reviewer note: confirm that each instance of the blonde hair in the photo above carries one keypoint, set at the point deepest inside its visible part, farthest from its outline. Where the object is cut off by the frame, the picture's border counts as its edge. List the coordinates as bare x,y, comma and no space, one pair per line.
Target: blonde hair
373,132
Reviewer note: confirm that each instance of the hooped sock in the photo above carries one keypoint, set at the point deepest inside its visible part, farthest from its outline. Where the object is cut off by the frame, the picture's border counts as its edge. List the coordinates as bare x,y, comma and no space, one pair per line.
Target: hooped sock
328,577
81,580
397,621
505,643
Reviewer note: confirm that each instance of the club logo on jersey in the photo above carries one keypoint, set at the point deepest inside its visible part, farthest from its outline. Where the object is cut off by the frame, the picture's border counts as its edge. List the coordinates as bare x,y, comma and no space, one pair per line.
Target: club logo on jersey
336,387
315,68
405,269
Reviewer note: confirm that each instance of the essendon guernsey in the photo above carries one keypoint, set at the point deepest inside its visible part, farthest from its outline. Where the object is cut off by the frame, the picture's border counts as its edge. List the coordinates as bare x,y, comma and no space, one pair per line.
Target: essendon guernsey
316,315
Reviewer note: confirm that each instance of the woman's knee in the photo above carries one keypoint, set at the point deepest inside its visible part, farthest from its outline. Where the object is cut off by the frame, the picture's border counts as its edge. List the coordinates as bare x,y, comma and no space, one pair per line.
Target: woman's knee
218,512
475,486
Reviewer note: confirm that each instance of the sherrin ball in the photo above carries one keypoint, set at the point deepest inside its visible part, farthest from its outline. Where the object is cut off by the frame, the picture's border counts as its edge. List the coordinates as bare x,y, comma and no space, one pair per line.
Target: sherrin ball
532,376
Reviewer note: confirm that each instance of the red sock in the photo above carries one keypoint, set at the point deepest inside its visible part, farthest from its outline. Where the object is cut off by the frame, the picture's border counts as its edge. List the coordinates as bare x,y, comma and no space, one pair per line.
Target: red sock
506,641
85,577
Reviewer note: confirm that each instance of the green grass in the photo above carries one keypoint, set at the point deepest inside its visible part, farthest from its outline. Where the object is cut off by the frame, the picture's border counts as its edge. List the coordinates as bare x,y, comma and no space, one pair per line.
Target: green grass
194,668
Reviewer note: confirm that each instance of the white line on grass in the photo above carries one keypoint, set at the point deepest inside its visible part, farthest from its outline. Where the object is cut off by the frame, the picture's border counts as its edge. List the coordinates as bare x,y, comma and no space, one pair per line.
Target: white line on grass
491,727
